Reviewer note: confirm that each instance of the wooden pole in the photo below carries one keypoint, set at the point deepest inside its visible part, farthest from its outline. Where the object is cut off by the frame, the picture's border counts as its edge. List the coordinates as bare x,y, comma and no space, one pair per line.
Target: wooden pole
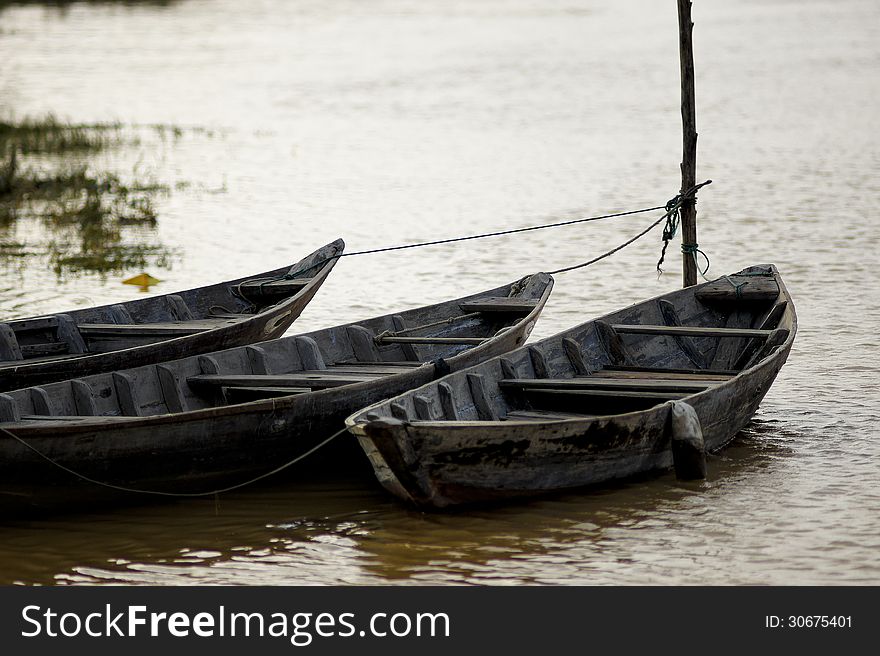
689,141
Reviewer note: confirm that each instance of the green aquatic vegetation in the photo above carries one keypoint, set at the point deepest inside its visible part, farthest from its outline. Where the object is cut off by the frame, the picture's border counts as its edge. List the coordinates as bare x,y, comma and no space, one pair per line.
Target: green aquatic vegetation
65,4
92,216
48,134
110,258
75,195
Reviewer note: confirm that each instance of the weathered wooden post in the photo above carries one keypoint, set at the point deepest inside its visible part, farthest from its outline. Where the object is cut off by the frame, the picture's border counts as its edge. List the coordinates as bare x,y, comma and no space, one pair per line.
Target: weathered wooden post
689,143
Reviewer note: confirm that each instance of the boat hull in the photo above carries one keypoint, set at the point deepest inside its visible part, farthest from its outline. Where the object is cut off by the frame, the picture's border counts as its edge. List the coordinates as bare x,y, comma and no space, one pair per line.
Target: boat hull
196,452
590,405
483,463
267,324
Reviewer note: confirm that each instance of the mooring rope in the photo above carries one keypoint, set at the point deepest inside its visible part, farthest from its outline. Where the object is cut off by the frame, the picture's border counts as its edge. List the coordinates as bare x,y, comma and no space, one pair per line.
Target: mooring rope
501,233
672,210
159,493
693,249
671,216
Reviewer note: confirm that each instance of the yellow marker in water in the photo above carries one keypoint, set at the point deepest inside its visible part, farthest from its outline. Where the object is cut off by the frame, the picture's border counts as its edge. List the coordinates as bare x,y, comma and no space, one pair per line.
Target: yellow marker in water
142,280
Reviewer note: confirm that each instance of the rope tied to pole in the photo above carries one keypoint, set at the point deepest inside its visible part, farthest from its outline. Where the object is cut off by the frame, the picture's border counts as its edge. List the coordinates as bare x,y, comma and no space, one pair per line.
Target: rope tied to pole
499,233
673,218
693,249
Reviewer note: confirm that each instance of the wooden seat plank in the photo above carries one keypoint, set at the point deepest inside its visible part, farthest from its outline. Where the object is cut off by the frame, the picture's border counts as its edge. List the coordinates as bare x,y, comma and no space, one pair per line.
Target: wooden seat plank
689,331
593,382
314,379
44,350
370,369
500,304
613,394
670,370
245,394
432,340
403,364
149,329
732,289
36,323
545,415
661,375
273,287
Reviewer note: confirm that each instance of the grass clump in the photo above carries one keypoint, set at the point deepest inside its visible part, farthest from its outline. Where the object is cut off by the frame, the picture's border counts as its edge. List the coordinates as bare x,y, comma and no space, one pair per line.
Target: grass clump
88,213
48,135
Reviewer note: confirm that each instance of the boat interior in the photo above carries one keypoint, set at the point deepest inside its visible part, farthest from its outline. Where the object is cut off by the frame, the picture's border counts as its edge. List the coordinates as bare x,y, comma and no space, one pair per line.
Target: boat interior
647,354
148,320
343,355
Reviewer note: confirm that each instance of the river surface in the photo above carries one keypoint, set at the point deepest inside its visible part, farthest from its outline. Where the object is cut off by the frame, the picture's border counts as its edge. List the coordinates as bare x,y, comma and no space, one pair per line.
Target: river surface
395,121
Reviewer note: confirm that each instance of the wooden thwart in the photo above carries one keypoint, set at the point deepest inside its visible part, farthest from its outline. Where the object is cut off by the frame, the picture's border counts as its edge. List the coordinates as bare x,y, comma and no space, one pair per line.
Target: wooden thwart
500,304
35,323
384,363
369,369
544,415
732,289
246,394
689,331
314,380
612,394
146,329
431,340
593,383
661,375
43,350
272,288
670,370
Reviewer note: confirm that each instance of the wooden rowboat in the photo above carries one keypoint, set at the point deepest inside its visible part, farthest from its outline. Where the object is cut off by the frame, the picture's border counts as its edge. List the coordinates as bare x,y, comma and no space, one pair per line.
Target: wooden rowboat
194,424
611,398
39,350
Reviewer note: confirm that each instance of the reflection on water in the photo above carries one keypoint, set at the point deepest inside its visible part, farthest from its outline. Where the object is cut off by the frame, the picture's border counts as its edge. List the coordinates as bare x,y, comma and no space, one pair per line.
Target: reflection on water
63,5
347,531
55,206
408,120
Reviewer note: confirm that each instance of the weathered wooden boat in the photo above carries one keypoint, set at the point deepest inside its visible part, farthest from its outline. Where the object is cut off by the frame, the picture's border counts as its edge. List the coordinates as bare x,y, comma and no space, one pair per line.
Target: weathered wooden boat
38,350
608,399
193,424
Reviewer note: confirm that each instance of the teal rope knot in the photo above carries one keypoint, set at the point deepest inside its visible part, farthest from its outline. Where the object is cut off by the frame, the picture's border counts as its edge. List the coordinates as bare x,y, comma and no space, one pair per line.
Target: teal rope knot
673,217
693,249
737,287
672,220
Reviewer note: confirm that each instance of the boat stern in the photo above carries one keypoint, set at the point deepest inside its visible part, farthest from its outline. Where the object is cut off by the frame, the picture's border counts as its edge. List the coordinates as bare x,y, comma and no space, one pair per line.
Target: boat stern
386,443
